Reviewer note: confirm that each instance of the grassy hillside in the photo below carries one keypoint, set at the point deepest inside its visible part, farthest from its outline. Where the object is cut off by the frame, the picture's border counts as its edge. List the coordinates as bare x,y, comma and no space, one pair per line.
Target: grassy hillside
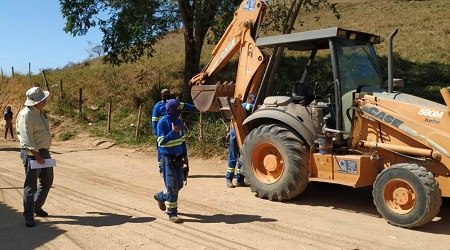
422,50
424,25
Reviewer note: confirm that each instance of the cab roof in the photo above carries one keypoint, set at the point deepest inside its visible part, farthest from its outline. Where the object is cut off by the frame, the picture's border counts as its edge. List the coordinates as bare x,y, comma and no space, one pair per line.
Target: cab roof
315,39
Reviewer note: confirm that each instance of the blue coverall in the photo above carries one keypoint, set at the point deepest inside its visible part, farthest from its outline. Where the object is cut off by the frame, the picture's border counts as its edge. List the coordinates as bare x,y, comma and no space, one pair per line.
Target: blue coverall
159,111
171,145
233,151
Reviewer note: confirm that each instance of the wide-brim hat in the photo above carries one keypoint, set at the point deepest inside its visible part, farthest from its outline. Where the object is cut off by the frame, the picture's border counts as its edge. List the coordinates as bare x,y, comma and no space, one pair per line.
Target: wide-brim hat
35,95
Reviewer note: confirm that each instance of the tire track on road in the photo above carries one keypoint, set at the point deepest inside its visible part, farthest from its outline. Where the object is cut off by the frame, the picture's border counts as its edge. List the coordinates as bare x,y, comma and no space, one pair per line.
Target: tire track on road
71,171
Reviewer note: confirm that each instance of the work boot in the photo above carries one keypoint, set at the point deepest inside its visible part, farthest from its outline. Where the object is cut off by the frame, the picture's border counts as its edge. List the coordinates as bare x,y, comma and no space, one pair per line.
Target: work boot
30,222
175,219
240,183
161,203
230,184
40,213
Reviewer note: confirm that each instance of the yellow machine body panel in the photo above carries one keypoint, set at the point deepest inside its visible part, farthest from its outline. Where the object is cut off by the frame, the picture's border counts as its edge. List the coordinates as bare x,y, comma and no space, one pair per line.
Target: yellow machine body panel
401,132
349,170
359,135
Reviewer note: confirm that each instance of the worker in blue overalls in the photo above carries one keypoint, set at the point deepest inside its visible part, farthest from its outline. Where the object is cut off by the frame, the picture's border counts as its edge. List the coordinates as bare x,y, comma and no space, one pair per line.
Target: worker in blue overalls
233,150
159,111
173,152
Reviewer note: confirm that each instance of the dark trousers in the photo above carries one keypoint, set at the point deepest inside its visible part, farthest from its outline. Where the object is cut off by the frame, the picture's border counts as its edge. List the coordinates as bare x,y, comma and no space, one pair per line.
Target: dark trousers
34,196
173,180
11,132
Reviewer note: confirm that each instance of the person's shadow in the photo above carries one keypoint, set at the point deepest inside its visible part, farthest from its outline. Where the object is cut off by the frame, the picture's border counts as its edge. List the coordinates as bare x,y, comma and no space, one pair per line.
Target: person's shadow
228,219
104,220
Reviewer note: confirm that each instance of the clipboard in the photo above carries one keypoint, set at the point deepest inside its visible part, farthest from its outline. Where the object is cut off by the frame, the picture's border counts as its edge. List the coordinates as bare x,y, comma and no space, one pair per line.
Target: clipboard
47,164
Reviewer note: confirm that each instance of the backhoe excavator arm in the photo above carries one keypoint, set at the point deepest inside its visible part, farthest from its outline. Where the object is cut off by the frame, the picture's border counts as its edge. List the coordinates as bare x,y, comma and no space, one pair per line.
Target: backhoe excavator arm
240,37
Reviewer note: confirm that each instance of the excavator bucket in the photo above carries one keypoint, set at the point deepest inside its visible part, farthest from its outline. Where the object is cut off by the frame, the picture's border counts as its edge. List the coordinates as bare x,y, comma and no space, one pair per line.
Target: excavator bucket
205,96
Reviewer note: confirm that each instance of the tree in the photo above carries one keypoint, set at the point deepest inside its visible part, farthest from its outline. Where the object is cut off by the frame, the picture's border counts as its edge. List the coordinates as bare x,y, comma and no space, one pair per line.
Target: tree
283,19
197,18
95,50
132,27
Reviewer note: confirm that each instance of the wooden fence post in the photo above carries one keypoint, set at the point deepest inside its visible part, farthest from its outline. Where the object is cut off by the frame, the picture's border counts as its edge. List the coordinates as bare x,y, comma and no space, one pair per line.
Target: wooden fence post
45,80
108,130
61,94
29,72
80,102
136,136
200,132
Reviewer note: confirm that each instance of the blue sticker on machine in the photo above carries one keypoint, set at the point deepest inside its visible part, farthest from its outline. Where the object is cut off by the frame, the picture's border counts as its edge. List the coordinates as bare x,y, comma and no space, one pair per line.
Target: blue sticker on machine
347,167
249,5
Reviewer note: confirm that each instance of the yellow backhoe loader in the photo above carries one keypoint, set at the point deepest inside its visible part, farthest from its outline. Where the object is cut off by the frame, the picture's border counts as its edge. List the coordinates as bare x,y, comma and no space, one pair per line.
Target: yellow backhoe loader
357,133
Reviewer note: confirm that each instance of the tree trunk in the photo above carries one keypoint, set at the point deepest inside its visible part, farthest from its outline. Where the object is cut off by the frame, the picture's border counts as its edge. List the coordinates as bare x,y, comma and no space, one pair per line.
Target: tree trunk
191,61
278,51
194,16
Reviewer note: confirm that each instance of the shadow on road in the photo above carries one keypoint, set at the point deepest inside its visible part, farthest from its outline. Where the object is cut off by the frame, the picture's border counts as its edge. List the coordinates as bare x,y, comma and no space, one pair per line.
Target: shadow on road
9,188
105,145
228,219
10,149
360,200
339,197
77,150
205,176
104,220
14,234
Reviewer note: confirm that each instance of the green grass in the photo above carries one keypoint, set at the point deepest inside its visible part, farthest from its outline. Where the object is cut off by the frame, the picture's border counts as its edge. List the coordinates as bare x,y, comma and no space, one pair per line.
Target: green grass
67,135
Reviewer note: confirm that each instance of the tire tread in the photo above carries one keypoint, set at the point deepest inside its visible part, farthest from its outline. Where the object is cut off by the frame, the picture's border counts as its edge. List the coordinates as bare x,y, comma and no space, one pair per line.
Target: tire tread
432,191
297,154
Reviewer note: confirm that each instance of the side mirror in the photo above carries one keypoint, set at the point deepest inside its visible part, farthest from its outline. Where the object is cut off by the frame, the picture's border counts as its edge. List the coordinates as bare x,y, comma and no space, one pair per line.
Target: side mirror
397,83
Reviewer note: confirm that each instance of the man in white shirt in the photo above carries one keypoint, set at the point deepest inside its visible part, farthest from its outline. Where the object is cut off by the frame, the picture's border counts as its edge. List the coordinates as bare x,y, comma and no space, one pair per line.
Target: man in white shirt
33,131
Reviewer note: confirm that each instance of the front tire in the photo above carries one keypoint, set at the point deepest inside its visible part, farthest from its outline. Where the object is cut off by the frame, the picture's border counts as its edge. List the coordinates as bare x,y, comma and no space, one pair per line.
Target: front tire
275,162
407,195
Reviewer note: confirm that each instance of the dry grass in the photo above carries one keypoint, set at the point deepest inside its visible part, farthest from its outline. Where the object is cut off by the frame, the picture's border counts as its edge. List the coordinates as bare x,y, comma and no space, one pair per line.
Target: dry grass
424,25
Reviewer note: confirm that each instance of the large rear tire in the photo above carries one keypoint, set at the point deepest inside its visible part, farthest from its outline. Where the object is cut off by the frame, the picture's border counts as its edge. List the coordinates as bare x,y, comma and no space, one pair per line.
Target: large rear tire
407,195
275,162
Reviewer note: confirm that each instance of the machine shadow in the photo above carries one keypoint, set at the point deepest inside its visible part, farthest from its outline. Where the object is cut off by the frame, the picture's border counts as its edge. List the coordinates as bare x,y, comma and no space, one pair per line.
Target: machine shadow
228,219
360,200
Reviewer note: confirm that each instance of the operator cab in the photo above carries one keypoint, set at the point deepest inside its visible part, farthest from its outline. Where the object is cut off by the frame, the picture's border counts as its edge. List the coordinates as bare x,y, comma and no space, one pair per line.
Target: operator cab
354,65
301,94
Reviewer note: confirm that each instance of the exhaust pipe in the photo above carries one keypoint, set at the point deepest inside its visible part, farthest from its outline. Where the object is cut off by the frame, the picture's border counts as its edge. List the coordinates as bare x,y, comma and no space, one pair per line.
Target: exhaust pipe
445,92
390,73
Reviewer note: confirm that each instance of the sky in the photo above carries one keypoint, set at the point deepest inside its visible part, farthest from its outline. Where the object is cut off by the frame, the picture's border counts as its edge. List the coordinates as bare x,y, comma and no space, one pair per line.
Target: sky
31,31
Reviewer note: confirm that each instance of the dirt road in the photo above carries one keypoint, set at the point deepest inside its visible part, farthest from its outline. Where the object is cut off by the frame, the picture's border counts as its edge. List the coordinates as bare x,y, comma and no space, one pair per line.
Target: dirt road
102,199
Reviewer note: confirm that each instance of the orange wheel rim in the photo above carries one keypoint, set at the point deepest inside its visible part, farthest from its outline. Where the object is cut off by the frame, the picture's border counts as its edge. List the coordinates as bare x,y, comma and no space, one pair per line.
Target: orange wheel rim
267,163
399,196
